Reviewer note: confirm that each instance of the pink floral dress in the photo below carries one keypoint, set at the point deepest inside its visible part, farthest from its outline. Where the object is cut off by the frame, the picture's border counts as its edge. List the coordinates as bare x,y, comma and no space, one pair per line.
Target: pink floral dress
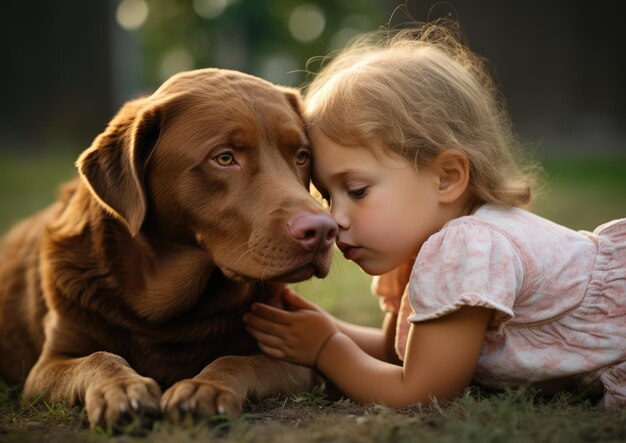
559,297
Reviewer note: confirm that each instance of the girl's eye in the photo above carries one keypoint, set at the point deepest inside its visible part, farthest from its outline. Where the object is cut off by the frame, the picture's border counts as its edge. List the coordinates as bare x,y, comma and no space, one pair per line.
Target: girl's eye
225,159
302,157
358,193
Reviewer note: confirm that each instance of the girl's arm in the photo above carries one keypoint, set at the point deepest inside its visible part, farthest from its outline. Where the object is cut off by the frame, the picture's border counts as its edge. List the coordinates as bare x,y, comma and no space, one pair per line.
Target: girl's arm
377,342
439,362
440,359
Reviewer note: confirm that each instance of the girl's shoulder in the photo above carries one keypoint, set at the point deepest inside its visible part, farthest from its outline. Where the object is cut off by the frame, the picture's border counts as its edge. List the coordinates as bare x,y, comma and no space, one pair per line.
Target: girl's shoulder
538,248
520,226
502,217
490,231
505,258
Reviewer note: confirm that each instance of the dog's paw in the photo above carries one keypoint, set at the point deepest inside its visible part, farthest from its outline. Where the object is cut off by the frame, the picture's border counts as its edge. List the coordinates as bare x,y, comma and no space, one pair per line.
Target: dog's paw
122,400
200,399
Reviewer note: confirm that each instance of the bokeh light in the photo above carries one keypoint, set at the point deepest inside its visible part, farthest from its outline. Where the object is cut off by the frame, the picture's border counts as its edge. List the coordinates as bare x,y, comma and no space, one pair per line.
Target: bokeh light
131,14
350,27
341,38
210,8
307,22
174,61
279,69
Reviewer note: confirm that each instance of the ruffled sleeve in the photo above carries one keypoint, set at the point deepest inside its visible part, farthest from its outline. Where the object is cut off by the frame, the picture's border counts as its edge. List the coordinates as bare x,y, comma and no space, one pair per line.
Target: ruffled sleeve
391,286
466,264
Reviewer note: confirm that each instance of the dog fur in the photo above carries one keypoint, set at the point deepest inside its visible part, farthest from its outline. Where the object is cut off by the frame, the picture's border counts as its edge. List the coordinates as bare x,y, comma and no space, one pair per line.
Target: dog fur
137,277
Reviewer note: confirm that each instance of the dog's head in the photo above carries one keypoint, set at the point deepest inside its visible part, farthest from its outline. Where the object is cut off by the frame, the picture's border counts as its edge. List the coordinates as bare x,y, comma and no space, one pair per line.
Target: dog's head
219,160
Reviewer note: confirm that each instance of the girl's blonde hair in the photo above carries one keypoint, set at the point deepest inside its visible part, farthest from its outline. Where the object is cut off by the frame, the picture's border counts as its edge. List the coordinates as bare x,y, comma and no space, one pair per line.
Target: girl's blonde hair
416,93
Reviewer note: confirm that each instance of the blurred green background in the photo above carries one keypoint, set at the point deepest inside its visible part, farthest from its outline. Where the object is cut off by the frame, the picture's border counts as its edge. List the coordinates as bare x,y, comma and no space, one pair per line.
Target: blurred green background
68,66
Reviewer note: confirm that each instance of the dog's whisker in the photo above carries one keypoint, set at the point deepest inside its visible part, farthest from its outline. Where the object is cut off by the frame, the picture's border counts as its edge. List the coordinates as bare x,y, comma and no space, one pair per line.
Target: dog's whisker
243,245
243,254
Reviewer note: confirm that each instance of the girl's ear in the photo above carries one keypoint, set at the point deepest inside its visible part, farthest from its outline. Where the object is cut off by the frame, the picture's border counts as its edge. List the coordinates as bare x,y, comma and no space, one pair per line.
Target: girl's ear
453,171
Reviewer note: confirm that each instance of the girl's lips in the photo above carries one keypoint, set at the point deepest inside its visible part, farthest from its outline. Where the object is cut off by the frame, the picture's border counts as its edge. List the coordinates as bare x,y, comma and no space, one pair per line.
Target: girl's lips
349,251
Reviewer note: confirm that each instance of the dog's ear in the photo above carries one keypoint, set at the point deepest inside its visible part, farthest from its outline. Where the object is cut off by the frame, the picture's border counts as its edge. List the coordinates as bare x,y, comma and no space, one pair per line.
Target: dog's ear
113,166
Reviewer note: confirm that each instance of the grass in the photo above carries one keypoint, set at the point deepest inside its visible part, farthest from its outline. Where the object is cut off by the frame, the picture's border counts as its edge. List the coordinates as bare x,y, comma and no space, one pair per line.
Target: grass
581,193
29,182
513,416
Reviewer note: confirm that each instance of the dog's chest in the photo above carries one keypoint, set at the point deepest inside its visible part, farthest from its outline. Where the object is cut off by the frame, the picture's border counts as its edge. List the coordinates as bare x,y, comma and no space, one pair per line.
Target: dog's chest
184,347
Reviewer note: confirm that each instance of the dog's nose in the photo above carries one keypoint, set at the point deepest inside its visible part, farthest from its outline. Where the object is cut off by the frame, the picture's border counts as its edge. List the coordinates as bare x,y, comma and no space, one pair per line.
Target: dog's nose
313,231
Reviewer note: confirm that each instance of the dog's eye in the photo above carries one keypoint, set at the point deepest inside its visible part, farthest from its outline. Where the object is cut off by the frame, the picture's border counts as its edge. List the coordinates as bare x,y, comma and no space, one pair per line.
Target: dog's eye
225,159
302,157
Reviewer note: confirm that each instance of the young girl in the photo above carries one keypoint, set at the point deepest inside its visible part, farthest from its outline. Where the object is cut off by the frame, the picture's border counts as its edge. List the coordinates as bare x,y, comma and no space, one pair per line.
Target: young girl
412,152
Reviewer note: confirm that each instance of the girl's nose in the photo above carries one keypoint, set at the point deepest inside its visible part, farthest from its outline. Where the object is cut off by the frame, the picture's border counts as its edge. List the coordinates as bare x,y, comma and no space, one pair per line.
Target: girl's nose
340,218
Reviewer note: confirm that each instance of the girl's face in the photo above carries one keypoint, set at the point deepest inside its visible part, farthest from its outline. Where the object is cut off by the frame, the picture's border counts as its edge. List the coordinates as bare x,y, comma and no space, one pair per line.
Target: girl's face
385,209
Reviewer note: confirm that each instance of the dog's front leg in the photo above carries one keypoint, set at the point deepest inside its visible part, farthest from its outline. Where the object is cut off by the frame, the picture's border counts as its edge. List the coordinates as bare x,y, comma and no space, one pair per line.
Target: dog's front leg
110,389
223,385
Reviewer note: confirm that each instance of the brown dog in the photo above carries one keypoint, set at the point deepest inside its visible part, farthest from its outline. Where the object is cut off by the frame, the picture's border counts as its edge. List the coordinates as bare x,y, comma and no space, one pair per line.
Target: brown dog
190,206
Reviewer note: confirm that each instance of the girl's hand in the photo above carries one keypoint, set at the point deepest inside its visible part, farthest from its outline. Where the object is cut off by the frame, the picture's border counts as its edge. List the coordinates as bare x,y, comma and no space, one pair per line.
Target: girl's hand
297,334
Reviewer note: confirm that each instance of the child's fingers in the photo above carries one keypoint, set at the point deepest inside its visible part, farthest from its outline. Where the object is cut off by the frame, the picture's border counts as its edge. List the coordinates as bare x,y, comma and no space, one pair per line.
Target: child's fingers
264,325
270,313
266,339
287,292
272,352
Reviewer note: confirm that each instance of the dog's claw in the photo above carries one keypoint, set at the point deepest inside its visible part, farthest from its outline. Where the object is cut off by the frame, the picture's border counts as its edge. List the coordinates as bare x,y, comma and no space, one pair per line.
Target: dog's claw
97,416
117,404
201,399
